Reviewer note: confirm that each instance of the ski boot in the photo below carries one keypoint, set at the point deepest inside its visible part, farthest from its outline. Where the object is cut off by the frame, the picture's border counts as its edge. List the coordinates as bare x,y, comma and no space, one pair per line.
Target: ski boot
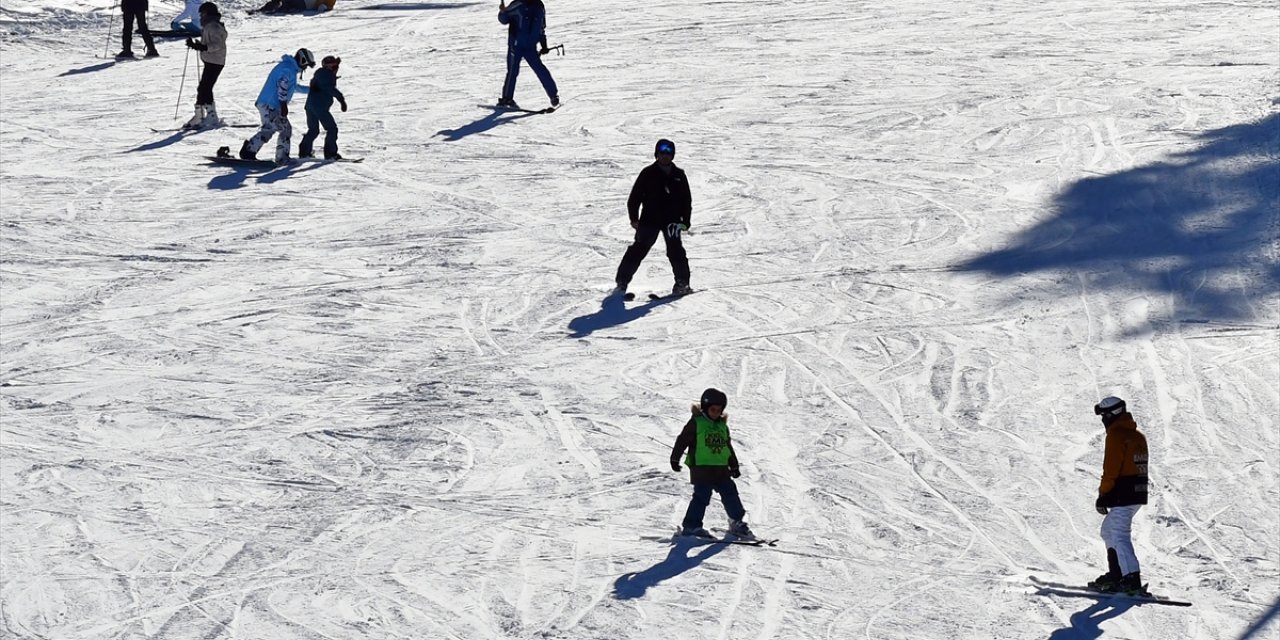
508,103
696,532
1106,583
740,530
196,120
681,289
1131,585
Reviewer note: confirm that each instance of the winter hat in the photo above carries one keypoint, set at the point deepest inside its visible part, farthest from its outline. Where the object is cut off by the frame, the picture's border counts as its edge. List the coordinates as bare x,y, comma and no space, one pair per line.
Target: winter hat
713,398
328,59
211,9
664,146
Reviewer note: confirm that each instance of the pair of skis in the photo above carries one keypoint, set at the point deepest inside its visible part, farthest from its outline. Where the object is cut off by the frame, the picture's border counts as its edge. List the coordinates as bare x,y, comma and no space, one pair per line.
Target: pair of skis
725,539
631,296
1058,588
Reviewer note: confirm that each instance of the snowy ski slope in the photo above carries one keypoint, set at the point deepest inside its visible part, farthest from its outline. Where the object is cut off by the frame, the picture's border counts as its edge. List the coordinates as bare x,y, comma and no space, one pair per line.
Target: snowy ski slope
386,400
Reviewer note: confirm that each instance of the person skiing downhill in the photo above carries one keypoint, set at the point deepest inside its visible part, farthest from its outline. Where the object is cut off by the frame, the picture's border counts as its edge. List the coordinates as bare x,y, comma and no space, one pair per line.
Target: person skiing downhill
213,51
526,22
660,203
712,466
273,105
1122,491
324,90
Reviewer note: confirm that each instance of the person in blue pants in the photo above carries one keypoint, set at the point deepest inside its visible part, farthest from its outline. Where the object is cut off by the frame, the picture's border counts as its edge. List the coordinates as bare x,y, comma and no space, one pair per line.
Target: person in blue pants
712,466
324,90
526,22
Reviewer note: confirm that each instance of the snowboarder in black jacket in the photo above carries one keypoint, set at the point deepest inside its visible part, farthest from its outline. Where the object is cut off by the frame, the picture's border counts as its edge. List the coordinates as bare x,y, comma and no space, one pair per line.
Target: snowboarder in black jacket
324,90
660,203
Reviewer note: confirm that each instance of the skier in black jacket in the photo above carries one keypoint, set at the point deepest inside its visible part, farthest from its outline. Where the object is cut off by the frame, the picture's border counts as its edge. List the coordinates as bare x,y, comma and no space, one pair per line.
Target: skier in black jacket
324,90
660,203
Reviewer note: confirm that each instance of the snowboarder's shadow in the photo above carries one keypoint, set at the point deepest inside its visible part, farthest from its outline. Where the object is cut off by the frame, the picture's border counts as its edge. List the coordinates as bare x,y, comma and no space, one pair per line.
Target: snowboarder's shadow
634,585
1086,624
612,313
239,175
483,124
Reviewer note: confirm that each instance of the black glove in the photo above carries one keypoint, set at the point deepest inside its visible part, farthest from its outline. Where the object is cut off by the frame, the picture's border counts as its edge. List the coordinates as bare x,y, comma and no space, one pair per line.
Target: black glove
735,473
1102,508
675,465
544,50
344,106
192,44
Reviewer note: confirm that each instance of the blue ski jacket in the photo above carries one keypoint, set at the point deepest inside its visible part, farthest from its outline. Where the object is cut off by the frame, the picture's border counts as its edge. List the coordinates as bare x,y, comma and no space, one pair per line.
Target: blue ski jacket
526,24
324,88
281,84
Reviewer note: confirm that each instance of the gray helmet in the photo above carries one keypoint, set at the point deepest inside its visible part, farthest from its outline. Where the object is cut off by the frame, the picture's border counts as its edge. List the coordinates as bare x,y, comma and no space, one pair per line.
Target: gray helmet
1109,408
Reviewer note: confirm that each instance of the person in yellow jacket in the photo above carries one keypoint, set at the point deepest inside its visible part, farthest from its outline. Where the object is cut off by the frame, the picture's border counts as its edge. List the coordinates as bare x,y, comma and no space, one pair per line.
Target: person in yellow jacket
712,466
1122,491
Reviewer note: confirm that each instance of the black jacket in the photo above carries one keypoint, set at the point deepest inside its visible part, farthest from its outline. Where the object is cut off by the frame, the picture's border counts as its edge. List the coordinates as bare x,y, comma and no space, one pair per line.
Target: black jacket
658,199
688,439
324,88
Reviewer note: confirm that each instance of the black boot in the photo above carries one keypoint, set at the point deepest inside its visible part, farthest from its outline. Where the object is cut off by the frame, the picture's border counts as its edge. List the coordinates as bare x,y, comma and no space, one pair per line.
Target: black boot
246,153
1131,584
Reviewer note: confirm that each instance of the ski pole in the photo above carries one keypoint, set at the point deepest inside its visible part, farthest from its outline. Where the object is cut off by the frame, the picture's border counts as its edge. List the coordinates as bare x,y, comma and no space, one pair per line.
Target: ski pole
185,63
111,19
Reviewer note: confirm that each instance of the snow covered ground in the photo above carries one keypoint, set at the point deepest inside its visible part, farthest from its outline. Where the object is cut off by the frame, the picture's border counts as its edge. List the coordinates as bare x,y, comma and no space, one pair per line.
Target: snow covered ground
385,400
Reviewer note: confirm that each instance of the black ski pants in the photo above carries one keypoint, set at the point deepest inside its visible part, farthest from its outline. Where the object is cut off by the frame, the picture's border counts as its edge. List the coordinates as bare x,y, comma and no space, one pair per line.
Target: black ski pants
315,119
208,78
135,10
645,237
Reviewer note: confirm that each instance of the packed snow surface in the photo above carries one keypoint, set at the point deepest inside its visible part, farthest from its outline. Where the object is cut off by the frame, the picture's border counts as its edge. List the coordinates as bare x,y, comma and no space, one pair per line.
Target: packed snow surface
390,399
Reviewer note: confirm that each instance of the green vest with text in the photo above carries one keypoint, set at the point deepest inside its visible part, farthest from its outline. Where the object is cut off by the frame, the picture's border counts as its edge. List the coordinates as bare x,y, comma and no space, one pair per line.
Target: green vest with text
711,446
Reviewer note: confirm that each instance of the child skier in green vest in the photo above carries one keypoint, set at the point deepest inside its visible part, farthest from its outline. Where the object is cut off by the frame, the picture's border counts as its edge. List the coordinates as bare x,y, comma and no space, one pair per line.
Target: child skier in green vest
712,466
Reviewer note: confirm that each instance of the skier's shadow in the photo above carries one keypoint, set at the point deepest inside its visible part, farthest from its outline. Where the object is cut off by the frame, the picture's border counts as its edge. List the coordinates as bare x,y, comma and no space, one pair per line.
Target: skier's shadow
89,69
611,314
678,561
160,143
483,124
1086,624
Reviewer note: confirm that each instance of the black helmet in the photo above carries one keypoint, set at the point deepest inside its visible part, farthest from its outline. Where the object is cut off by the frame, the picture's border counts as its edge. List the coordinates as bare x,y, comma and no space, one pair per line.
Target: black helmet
713,398
210,9
664,146
304,58
1110,408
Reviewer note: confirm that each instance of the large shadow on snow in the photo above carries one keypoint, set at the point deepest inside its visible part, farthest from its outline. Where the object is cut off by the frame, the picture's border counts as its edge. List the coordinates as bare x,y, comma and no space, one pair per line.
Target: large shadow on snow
1086,624
1255,630
678,561
613,312
483,124
1200,227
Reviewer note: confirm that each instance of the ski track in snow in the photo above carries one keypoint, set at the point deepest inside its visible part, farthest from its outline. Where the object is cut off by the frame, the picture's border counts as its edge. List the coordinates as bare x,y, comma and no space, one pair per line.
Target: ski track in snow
386,399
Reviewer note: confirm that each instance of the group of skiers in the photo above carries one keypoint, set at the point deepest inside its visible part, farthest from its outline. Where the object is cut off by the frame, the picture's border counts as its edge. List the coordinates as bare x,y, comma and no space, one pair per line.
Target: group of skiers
660,204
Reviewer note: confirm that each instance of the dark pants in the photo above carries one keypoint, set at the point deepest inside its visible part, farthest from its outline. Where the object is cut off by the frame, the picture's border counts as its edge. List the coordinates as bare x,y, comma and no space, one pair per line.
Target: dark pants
135,10
208,78
530,55
315,119
702,497
645,237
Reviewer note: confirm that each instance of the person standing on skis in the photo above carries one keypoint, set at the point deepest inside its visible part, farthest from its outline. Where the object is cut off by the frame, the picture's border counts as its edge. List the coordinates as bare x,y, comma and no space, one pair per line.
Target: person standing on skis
712,466
659,204
1121,493
526,22
213,51
273,106
135,11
